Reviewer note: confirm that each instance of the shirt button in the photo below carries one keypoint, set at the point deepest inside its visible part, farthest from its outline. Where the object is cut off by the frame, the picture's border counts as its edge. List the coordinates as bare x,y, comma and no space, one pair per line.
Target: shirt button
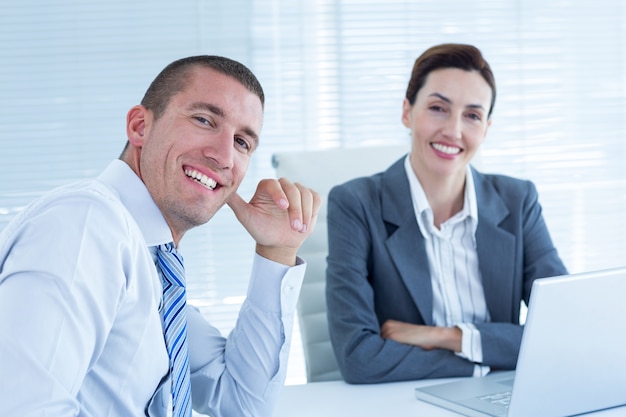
287,289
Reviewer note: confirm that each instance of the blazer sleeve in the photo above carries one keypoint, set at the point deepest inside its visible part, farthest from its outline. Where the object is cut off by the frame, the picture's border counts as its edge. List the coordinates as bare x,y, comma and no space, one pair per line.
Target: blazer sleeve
535,256
355,233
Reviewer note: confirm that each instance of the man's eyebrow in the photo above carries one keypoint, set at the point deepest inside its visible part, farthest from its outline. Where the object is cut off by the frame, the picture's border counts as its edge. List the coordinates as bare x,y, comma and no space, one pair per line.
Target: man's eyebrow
218,111
447,100
199,105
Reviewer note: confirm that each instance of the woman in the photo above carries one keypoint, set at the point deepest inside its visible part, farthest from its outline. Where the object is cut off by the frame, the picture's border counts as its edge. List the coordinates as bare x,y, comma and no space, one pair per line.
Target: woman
428,261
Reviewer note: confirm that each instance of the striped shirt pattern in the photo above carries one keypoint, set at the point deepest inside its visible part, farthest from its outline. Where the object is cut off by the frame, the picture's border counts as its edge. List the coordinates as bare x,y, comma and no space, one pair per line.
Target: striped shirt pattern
458,295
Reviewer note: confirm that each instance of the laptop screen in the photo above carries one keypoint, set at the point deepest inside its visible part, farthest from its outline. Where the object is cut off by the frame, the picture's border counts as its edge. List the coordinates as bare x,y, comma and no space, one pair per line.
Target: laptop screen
571,358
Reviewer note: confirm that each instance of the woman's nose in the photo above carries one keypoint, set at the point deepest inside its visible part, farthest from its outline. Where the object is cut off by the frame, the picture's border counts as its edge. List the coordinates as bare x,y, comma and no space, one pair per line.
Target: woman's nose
453,127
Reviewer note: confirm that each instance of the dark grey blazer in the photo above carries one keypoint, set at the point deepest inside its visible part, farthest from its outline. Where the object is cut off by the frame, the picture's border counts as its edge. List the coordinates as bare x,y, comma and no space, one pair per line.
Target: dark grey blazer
378,270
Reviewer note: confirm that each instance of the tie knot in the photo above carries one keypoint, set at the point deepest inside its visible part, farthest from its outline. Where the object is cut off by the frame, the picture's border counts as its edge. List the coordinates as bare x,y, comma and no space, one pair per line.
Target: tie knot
167,247
170,263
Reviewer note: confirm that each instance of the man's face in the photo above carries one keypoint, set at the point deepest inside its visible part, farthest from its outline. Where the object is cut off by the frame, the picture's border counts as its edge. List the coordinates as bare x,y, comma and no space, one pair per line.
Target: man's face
194,157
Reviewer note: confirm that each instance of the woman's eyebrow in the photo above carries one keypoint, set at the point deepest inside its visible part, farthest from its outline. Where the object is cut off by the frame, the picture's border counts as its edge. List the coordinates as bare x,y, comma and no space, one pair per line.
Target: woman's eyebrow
440,96
447,100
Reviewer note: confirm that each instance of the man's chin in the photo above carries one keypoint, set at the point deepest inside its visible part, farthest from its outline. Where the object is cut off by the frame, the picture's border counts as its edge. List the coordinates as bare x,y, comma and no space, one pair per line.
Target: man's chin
204,218
198,218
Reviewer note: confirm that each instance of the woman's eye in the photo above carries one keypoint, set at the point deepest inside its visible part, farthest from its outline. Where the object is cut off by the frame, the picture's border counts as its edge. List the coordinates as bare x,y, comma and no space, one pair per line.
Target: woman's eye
475,116
436,108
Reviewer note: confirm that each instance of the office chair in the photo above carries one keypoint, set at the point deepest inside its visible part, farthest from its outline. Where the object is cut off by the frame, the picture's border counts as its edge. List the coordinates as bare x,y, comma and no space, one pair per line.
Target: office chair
321,170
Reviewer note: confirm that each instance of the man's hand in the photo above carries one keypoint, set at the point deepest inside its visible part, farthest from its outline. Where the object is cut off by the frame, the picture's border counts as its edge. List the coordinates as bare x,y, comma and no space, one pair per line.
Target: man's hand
279,217
426,337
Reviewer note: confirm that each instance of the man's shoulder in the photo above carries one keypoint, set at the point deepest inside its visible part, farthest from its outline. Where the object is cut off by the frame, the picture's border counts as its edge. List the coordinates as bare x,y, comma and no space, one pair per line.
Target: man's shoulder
95,203
88,194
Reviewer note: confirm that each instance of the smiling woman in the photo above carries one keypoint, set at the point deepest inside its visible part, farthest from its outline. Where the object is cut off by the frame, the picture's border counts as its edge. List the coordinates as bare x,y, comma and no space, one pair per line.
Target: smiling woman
334,77
413,288
448,119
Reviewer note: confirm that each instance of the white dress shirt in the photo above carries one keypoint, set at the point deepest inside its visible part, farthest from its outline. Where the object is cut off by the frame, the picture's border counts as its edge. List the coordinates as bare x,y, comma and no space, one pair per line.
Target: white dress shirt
80,331
458,295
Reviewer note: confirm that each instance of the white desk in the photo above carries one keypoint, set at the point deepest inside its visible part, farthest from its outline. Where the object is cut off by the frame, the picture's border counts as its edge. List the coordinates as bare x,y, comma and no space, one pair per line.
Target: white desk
338,399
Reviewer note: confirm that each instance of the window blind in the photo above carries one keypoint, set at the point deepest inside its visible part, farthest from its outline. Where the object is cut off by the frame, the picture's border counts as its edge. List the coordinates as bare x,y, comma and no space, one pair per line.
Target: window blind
334,72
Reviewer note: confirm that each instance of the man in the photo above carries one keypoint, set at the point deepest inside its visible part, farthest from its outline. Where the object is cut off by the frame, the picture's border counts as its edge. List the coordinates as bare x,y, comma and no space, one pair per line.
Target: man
83,307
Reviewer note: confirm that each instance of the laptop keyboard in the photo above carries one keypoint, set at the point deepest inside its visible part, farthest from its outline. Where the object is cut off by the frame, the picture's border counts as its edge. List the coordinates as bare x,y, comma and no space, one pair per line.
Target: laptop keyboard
500,399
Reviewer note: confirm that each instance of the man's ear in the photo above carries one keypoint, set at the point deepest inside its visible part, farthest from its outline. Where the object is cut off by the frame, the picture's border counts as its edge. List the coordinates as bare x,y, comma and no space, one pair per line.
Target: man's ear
136,121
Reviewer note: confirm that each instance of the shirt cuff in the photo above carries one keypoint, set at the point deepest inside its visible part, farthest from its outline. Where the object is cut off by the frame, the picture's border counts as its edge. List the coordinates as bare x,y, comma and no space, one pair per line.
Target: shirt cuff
481,370
472,348
275,287
471,344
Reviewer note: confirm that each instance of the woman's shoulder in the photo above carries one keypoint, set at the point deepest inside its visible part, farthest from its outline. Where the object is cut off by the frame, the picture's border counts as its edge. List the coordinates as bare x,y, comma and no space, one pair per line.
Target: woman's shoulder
511,189
358,188
371,183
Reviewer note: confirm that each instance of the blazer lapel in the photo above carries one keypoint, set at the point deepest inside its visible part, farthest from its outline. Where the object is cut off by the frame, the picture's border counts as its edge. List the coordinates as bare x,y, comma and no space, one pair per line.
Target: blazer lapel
405,242
495,245
496,250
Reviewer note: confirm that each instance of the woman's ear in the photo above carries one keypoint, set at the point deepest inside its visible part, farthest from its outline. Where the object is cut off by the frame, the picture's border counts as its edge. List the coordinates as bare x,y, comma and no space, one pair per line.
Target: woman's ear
136,125
406,113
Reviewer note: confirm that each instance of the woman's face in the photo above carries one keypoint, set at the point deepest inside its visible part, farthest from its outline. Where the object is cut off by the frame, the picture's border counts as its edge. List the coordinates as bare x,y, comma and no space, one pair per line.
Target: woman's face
448,122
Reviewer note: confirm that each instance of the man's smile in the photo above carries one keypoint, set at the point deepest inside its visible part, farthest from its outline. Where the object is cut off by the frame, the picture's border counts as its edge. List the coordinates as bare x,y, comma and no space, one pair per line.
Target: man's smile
201,178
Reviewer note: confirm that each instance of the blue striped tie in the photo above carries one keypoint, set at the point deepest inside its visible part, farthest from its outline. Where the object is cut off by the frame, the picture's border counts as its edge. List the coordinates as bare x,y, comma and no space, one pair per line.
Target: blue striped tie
174,319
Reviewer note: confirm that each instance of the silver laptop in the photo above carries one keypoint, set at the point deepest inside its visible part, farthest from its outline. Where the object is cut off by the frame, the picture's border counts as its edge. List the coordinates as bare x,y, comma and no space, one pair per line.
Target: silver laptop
572,358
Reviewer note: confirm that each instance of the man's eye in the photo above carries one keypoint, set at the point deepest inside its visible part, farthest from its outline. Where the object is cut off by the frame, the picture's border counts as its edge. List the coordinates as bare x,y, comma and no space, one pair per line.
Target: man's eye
202,120
242,143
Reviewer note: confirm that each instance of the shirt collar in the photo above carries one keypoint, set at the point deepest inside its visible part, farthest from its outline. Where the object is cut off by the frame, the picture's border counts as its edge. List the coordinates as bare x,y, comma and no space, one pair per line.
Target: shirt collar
423,212
138,201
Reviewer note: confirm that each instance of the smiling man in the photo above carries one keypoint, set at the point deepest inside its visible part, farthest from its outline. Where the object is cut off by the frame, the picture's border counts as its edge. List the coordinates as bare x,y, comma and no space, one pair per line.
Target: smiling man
106,331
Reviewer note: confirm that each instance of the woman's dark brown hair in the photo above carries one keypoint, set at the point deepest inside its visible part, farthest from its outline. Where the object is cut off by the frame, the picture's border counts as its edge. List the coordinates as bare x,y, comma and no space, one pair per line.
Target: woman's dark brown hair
449,55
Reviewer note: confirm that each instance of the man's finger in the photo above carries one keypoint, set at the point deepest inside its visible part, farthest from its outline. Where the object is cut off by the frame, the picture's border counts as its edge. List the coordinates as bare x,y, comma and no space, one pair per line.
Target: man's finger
236,203
240,207
292,192
311,202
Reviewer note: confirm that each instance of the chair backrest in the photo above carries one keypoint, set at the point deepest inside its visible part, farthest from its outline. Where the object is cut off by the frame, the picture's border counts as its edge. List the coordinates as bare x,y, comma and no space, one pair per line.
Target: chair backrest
321,170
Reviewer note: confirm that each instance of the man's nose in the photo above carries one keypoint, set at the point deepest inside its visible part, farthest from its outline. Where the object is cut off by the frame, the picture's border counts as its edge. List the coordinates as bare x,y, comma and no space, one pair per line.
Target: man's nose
221,150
